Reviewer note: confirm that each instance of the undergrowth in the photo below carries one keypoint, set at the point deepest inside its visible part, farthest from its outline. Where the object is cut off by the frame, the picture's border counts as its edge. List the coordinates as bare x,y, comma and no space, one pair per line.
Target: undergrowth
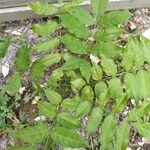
83,80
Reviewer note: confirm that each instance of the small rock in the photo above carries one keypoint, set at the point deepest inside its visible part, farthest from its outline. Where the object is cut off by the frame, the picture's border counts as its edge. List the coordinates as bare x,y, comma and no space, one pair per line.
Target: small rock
146,34
5,69
94,59
21,90
36,99
133,102
132,26
40,118
141,143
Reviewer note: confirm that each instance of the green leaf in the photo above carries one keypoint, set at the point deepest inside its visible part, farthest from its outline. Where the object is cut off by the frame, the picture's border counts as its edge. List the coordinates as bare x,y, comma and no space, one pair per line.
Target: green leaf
108,49
70,104
99,7
120,103
74,44
42,8
46,45
143,129
115,88
32,135
103,98
122,136
75,26
78,83
108,66
82,15
87,93
13,84
4,43
72,74
22,60
100,87
132,86
133,55
94,120
50,59
47,109
37,69
67,138
45,28
144,46
52,96
97,73
143,79
85,69
139,111
70,4
83,109
71,63
114,18
68,121
108,35
107,132
55,77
